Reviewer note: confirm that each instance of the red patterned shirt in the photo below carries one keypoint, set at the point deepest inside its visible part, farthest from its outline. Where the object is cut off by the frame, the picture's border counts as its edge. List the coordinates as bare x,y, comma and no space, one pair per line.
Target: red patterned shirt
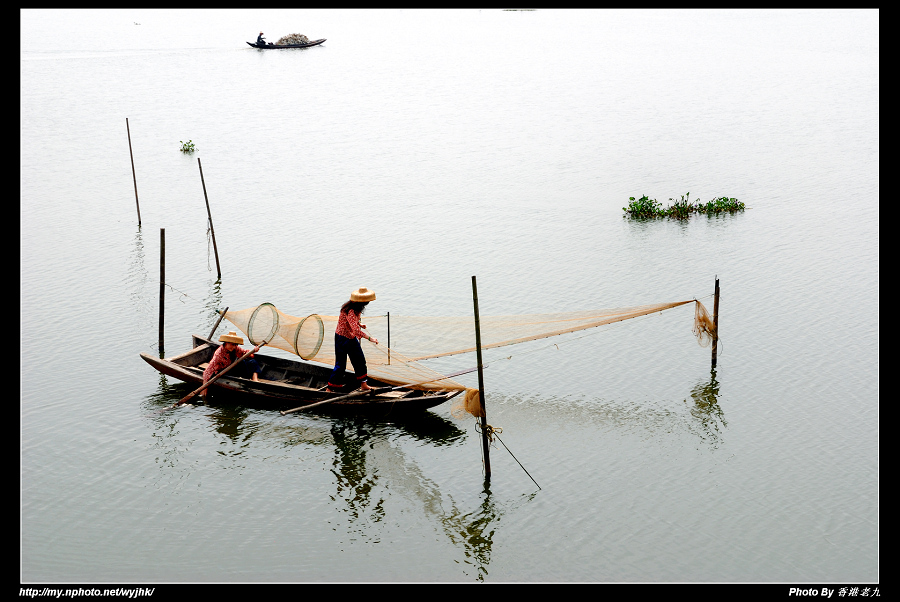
221,359
348,325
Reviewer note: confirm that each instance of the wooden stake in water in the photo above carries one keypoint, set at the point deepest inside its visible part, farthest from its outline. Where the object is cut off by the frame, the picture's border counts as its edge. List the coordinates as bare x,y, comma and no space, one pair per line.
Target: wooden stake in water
715,341
484,433
162,285
132,171
211,229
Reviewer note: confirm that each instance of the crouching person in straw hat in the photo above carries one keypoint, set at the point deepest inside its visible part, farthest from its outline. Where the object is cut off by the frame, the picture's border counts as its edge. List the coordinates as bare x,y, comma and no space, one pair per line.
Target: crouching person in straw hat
346,340
225,356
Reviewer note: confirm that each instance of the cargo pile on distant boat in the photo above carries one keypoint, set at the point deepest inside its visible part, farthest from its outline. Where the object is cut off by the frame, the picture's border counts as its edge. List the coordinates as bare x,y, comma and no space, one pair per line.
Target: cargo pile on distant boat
293,38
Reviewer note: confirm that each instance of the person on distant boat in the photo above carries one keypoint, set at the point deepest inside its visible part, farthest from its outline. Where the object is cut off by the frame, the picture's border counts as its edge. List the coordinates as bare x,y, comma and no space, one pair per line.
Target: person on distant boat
346,340
225,356
260,40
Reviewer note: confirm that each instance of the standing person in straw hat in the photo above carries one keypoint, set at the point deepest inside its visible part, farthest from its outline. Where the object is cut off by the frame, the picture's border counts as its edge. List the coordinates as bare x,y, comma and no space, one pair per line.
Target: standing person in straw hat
225,356
346,340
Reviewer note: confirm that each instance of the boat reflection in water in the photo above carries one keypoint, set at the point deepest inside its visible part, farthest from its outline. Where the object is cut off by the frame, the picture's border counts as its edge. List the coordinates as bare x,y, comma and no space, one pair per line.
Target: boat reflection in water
374,463
367,457
369,468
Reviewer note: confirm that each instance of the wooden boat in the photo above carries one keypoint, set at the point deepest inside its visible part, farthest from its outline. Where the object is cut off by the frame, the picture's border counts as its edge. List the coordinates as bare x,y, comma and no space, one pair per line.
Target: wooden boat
286,384
271,46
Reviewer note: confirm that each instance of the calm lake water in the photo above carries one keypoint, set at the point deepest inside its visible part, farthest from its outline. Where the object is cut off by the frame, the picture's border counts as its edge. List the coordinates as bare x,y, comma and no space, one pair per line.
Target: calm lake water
409,152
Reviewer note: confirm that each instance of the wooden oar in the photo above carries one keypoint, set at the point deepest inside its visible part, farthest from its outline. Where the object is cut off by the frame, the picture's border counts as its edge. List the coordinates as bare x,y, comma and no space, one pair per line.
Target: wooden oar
217,376
377,391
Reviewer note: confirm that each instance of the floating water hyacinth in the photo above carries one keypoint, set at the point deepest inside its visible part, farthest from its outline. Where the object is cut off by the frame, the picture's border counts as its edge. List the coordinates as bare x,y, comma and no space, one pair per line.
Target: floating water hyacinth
681,209
187,147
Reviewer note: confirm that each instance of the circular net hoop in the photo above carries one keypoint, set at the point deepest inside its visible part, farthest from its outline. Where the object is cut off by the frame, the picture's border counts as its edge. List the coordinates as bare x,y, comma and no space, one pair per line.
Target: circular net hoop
308,336
263,324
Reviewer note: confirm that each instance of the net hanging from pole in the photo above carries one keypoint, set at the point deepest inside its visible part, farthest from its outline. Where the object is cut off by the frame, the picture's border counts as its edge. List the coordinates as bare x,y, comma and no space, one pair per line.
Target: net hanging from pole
420,338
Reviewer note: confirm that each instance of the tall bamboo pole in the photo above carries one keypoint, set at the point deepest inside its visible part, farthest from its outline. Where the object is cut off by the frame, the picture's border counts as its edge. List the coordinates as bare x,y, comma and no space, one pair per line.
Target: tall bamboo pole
128,128
484,434
715,342
209,213
213,331
162,285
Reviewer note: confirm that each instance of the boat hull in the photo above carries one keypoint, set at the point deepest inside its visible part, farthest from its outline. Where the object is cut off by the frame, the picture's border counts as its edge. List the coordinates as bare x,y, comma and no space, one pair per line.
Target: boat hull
276,46
287,384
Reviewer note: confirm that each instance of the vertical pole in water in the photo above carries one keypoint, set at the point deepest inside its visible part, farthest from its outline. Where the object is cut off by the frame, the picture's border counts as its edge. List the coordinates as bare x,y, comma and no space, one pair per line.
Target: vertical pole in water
389,337
484,436
162,284
715,341
211,229
128,128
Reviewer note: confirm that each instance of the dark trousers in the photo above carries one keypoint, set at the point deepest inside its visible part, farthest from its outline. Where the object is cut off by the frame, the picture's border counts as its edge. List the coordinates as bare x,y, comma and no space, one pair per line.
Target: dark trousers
344,348
246,368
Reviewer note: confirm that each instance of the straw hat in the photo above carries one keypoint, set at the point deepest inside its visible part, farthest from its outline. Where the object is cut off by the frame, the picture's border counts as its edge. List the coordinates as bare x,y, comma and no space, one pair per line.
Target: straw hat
362,294
231,337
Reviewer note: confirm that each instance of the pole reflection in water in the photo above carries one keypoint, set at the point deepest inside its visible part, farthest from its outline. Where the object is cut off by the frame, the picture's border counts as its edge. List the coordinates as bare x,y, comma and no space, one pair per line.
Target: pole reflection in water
706,410
212,305
475,531
136,283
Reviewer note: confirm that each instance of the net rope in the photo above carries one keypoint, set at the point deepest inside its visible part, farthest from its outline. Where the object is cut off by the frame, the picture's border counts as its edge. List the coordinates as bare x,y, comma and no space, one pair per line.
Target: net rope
421,338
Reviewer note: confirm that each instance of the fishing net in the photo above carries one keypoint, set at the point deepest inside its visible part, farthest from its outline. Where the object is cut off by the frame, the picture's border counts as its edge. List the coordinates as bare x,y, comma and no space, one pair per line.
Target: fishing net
470,405
420,338
704,327
424,338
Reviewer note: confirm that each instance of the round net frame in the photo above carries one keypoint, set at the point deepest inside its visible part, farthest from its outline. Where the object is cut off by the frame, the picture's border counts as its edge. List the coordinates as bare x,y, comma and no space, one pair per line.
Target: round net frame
307,342
263,324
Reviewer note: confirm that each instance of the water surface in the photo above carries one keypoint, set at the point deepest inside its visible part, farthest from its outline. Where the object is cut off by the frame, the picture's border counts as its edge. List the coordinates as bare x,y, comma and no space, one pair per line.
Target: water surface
413,150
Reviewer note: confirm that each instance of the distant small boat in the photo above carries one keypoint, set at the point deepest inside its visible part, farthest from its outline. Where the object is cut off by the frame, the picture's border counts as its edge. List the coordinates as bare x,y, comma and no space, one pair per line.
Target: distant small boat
271,46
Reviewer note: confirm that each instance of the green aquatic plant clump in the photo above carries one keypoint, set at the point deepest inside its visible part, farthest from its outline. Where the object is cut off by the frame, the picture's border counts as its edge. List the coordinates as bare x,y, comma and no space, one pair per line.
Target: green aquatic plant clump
187,147
643,207
720,205
646,207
